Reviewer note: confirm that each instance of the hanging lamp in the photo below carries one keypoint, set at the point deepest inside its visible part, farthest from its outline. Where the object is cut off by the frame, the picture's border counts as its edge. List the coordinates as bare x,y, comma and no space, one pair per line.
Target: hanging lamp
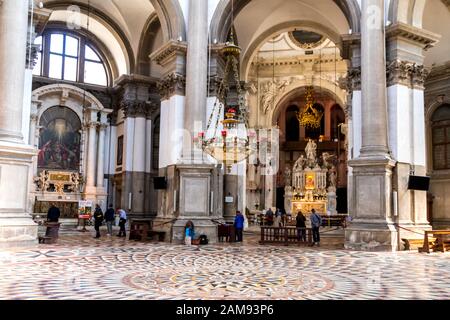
227,140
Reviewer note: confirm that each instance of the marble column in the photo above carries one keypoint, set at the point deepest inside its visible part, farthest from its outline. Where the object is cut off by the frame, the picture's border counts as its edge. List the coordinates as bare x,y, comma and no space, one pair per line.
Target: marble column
16,226
13,28
196,77
100,157
91,163
372,227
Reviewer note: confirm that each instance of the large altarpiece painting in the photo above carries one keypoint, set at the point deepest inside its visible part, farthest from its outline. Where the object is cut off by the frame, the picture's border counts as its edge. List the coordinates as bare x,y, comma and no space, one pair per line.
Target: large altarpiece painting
59,139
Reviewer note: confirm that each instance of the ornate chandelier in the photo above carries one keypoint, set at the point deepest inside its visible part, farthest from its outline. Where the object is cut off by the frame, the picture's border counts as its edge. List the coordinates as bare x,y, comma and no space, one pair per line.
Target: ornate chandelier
310,117
228,144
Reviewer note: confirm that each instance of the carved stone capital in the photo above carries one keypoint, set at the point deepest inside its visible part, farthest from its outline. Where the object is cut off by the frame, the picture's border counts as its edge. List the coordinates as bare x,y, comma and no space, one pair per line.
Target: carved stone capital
419,75
32,55
352,82
406,73
398,72
171,85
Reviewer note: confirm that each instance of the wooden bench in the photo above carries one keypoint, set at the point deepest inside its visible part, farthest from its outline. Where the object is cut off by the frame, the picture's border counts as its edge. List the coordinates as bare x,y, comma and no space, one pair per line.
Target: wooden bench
139,229
161,235
414,244
441,243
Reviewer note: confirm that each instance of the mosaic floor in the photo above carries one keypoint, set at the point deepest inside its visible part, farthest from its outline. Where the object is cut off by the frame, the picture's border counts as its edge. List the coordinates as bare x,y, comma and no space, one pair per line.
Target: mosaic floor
80,267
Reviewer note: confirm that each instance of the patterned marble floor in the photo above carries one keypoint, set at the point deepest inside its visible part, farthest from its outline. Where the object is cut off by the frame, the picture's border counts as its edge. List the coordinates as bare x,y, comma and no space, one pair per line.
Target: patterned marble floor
80,267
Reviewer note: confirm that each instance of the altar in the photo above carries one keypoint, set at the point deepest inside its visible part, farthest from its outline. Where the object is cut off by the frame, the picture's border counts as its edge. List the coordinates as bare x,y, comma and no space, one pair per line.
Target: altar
311,184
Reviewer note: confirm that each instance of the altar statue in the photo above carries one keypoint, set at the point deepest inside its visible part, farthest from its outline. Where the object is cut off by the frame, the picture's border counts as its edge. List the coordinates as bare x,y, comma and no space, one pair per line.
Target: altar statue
287,176
310,150
332,178
300,163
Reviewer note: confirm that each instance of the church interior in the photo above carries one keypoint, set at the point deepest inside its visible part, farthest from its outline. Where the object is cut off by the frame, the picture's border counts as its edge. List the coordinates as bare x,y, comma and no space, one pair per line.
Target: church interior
181,111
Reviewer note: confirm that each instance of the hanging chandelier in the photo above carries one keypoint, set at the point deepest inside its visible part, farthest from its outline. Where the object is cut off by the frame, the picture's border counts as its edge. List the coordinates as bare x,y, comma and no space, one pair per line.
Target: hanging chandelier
227,140
310,117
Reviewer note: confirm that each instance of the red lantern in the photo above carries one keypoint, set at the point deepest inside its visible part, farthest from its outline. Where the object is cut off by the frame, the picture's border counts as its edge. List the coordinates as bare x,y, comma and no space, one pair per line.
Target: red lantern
224,133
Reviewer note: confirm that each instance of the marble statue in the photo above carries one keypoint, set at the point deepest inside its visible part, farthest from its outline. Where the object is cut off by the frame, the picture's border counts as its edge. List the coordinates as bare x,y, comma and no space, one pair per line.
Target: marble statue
311,151
287,176
332,178
300,163
270,91
326,157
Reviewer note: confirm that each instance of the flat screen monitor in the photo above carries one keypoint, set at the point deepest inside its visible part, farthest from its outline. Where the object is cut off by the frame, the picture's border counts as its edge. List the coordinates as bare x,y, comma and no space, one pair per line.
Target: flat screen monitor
419,183
160,183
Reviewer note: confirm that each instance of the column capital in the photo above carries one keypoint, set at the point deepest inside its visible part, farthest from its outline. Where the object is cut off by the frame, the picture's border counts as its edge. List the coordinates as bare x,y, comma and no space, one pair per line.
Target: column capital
173,84
406,73
352,82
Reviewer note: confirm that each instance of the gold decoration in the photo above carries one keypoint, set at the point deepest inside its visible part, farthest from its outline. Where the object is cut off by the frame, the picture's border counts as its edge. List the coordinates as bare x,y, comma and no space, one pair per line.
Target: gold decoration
310,117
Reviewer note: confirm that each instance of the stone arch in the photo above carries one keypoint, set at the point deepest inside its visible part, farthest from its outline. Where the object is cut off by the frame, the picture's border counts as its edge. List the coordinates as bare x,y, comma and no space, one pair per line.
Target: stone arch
171,17
59,94
407,11
105,20
147,41
221,20
325,85
286,26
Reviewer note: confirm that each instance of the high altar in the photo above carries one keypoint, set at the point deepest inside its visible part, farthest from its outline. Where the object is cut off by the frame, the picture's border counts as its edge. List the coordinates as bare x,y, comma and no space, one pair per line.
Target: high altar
310,185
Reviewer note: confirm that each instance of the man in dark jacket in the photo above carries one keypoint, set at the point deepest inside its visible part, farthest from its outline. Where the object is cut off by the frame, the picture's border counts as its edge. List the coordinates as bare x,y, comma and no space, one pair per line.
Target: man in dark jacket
53,214
239,225
98,218
301,226
109,218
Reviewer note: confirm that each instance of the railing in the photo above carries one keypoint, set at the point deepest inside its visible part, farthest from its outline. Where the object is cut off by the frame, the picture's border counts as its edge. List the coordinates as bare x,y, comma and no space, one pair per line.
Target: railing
285,235
442,243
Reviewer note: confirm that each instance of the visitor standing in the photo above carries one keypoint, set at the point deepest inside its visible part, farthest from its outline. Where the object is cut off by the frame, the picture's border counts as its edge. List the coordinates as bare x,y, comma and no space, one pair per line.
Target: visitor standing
239,225
122,222
301,226
278,218
109,218
269,217
98,219
189,233
316,222
53,214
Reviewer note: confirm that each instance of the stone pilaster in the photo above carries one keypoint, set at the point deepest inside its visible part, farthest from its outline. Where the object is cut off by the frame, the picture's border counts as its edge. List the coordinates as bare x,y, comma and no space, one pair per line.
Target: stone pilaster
372,227
172,57
91,159
405,81
16,225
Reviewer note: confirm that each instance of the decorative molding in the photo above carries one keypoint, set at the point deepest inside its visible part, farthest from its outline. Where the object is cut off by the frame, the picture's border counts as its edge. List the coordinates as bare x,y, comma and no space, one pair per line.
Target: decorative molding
446,3
270,90
170,50
406,73
171,85
352,82
426,39
32,55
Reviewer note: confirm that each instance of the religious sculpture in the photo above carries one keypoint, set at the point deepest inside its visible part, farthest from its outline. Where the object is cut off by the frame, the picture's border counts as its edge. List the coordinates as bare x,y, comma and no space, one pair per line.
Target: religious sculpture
311,149
300,163
75,180
332,177
287,176
270,91
326,157
43,181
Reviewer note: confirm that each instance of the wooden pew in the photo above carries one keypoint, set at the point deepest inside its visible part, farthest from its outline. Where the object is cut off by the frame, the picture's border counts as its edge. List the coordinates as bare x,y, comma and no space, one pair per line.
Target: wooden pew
442,242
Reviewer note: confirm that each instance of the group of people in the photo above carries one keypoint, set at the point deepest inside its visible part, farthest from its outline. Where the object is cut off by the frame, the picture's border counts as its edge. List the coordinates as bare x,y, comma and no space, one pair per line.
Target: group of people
238,226
279,219
109,217
316,223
